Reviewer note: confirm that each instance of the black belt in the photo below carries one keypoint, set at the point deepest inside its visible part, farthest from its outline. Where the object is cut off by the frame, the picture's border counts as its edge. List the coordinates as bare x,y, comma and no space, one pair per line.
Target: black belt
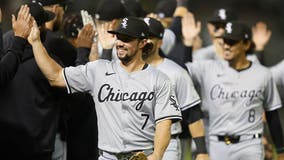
119,156
232,139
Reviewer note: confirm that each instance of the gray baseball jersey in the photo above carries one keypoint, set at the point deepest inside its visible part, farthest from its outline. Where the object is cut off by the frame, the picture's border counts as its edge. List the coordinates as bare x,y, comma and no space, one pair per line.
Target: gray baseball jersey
128,105
235,99
182,85
169,40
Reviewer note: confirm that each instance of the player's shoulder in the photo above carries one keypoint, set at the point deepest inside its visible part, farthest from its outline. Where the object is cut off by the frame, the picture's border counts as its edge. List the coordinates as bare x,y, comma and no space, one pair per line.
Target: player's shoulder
204,53
259,67
101,62
172,65
157,74
208,63
261,70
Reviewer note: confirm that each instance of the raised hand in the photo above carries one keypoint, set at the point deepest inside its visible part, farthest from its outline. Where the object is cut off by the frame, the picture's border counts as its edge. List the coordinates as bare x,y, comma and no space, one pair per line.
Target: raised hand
260,35
34,35
87,18
106,39
86,36
190,29
23,23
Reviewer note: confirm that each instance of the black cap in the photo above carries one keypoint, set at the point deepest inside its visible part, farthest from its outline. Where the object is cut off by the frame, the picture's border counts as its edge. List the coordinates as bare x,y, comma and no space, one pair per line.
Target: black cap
108,10
237,31
72,24
156,29
40,15
52,2
132,27
223,15
165,8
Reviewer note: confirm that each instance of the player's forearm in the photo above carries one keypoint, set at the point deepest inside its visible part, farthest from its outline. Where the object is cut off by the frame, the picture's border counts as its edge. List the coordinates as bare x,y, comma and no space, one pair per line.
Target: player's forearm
51,70
162,138
197,129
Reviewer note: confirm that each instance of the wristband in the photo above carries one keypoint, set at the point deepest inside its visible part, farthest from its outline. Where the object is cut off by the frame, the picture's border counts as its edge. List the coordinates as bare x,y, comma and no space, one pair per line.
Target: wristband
200,145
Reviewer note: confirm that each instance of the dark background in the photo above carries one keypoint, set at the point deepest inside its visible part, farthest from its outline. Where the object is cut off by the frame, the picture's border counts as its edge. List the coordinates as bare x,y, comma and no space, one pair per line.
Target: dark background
249,11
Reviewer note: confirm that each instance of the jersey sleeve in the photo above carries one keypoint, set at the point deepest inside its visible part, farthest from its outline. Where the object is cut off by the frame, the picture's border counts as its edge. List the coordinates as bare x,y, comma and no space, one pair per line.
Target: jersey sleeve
166,104
78,79
272,98
196,71
207,53
185,92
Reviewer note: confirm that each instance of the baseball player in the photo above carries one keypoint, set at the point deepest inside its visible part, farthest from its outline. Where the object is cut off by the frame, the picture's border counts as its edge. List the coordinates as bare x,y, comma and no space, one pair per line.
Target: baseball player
10,61
215,28
236,92
134,102
186,95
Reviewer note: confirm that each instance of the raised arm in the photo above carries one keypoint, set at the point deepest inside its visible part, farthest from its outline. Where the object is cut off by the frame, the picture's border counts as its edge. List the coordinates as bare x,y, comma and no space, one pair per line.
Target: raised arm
84,44
190,31
10,61
261,36
51,70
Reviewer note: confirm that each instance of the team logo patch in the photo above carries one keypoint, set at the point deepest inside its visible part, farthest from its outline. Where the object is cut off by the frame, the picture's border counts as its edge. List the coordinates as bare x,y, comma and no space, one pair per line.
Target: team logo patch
174,102
124,23
222,14
229,28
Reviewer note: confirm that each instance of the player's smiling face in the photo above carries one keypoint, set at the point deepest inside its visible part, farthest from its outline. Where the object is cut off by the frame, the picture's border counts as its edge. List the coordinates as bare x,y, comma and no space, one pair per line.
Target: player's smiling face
126,47
233,49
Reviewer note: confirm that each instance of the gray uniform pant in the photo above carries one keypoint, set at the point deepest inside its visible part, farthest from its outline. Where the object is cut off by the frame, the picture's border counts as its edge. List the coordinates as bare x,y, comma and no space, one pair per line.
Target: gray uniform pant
173,151
251,149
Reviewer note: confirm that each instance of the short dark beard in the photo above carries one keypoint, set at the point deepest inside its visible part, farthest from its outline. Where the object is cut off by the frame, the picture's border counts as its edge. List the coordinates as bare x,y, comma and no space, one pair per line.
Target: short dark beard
127,58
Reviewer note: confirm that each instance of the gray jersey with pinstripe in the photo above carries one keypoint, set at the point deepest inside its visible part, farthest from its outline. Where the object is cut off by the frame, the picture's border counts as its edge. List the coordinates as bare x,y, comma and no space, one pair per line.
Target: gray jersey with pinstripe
128,105
234,99
183,87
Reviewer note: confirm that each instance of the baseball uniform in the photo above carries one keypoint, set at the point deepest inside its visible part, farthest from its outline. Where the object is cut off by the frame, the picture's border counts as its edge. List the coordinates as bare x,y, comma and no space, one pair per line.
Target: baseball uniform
186,96
128,105
235,101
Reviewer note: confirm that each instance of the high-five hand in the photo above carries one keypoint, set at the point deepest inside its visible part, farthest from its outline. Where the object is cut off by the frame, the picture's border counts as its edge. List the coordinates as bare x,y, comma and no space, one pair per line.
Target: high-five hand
34,35
23,23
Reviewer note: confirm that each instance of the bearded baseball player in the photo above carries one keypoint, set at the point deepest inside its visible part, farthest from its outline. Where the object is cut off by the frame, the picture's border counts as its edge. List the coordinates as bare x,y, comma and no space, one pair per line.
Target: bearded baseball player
236,92
183,87
134,102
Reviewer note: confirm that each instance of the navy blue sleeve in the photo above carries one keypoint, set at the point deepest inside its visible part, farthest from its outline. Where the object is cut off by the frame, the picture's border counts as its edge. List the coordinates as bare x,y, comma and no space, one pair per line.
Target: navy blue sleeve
10,61
176,27
82,56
